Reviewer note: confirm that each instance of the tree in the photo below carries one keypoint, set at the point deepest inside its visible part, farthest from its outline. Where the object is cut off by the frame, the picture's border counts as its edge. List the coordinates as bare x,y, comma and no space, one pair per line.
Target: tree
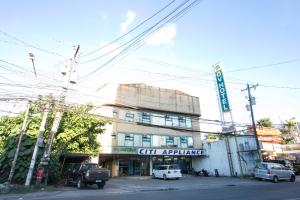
289,131
77,133
265,122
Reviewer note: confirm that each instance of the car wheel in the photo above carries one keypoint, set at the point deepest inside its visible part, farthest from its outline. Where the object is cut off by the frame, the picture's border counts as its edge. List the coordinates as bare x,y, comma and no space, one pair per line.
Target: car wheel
293,178
153,176
260,179
165,177
275,179
79,184
100,185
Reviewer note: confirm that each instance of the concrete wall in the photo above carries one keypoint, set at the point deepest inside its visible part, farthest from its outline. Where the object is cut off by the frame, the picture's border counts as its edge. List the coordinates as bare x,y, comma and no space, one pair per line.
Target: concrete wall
243,156
141,95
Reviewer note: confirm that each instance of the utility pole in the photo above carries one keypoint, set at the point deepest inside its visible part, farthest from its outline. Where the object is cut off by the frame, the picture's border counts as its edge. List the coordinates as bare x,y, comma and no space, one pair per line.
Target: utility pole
68,72
251,103
38,143
24,126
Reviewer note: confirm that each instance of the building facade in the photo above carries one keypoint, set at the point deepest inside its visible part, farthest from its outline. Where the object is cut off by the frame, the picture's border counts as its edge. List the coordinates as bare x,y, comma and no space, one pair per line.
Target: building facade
150,126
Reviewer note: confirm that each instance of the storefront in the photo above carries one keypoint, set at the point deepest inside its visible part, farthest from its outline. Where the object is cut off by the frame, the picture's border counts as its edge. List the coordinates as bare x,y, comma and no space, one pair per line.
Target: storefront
143,160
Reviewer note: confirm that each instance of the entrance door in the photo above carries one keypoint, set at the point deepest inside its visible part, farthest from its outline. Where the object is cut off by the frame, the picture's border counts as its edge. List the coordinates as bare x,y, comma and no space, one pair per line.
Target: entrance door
134,167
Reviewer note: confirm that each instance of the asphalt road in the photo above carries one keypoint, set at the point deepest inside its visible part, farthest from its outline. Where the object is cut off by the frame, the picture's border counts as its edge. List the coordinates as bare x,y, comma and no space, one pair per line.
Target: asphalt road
282,191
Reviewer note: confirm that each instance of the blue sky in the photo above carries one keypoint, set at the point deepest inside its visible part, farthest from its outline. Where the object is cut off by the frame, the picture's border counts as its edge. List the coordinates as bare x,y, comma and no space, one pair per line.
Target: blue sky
241,34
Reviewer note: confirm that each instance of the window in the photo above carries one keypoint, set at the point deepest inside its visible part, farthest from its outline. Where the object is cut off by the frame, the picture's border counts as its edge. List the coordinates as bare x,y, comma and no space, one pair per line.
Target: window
137,140
170,141
169,121
188,122
129,117
146,117
176,141
158,119
163,141
190,142
182,122
175,121
129,140
121,139
146,140
155,140
183,142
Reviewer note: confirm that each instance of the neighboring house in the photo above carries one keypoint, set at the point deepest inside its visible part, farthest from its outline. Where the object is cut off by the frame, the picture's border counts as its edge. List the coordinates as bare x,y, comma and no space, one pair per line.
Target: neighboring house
231,155
150,126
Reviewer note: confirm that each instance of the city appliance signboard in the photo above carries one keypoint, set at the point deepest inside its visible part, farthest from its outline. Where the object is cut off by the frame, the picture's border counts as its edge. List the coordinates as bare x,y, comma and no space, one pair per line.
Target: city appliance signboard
171,152
222,93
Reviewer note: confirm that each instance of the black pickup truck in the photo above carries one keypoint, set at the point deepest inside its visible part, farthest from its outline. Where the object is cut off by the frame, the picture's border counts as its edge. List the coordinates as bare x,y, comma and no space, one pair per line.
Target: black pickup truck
83,174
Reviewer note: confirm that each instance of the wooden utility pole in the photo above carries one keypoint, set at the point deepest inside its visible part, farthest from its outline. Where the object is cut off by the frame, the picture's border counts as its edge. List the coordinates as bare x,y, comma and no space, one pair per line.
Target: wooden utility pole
24,126
38,143
59,113
250,99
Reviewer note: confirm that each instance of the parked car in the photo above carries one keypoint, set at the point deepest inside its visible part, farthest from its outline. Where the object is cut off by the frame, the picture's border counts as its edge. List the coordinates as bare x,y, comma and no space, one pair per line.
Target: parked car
83,174
283,162
296,167
167,172
273,172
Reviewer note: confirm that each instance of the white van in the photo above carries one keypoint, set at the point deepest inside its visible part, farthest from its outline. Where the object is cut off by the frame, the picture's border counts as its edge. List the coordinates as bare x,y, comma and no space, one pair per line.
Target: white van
167,172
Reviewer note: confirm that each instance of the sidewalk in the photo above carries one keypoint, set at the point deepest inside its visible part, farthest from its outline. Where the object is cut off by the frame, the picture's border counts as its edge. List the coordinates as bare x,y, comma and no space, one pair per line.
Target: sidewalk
137,184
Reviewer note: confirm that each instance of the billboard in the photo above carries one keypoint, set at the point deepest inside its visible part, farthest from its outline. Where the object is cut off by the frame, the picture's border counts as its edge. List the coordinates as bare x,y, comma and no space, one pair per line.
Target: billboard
222,93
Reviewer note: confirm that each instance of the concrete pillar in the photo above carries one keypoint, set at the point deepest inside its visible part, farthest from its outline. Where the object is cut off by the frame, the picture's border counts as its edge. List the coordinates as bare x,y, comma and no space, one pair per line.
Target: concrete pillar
115,167
151,166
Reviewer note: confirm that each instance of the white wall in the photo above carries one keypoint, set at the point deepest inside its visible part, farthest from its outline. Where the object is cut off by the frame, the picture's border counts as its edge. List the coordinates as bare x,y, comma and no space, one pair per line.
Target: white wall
218,157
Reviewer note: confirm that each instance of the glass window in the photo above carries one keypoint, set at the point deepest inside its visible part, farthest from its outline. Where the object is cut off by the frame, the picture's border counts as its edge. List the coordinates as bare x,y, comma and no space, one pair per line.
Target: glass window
176,141
175,121
155,140
129,140
146,117
170,141
183,142
158,119
188,122
121,139
169,121
129,117
163,141
146,139
137,140
190,142
182,122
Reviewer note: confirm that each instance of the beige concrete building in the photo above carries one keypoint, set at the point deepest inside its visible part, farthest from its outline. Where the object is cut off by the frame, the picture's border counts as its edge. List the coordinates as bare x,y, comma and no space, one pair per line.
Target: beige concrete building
150,126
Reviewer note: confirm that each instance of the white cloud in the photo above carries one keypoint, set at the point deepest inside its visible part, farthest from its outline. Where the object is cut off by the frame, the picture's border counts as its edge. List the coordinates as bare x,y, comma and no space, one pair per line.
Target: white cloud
130,18
164,36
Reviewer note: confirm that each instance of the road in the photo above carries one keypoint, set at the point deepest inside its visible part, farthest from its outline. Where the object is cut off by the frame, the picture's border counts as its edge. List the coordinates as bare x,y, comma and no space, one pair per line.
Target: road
226,188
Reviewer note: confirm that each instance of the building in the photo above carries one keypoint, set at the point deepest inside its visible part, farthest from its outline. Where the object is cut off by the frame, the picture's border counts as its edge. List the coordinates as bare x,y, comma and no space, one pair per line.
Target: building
270,141
231,155
150,126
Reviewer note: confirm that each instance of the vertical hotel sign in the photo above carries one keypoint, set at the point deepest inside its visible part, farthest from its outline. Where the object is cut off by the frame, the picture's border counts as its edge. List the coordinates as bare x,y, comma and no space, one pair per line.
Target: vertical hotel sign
222,93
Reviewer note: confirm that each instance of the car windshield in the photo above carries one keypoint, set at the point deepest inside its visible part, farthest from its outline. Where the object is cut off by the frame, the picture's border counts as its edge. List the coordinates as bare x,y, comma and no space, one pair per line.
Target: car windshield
89,166
174,167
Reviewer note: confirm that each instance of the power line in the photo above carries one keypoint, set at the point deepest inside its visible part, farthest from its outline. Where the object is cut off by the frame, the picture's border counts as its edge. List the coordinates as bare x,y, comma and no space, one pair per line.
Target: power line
139,38
30,45
130,31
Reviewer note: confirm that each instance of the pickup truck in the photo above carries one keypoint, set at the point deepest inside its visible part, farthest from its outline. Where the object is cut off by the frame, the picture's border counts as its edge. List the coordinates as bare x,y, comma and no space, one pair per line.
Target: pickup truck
83,174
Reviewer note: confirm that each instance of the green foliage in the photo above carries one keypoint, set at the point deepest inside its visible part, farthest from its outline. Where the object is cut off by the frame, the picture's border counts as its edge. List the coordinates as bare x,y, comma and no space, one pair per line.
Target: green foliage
265,122
288,132
77,133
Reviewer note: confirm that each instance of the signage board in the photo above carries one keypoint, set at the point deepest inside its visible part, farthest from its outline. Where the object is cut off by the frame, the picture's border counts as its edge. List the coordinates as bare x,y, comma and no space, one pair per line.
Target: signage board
222,93
169,152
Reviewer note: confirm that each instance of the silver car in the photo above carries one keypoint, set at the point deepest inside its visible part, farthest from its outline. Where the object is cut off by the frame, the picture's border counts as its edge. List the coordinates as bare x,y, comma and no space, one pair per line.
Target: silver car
273,172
